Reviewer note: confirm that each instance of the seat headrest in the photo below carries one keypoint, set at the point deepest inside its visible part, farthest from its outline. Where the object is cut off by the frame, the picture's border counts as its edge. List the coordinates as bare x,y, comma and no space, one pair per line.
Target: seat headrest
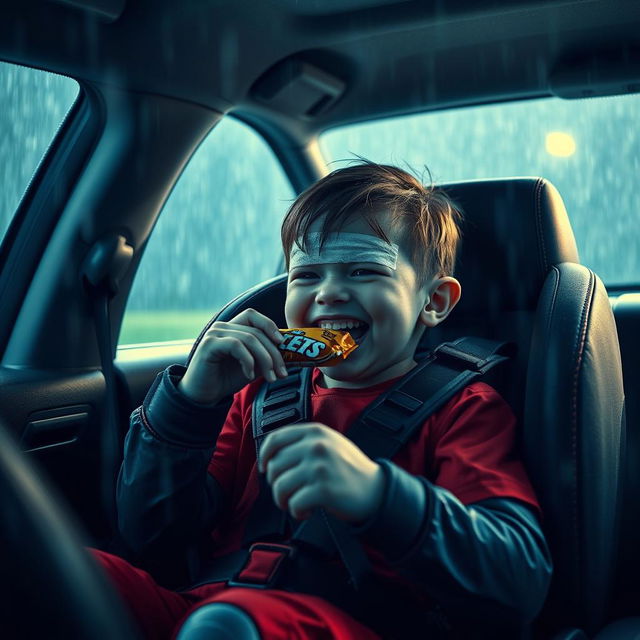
514,229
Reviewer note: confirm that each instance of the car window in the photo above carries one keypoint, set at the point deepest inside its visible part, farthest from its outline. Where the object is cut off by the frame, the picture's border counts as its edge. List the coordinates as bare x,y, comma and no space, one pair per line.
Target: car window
589,149
33,104
218,235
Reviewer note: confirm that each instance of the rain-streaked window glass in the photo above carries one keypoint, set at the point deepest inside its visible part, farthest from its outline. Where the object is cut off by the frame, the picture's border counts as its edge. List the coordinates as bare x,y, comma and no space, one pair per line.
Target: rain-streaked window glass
589,149
33,104
218,235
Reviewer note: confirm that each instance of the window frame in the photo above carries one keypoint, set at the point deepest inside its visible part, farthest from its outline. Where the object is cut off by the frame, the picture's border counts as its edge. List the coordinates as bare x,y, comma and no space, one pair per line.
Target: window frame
42,203
298,165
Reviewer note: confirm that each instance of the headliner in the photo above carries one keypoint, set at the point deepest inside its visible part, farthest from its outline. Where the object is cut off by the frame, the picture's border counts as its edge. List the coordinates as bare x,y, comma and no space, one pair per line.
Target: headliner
390,57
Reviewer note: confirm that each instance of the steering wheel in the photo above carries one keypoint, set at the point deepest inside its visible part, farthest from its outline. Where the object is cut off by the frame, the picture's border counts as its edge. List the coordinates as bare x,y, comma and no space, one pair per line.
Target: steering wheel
51,587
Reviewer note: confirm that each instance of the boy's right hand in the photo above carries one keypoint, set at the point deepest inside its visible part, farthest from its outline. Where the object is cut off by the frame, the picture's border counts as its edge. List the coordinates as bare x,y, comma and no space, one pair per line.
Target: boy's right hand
232,354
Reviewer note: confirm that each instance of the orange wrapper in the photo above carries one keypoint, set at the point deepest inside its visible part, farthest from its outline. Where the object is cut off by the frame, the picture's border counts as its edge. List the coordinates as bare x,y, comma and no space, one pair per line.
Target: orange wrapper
313,346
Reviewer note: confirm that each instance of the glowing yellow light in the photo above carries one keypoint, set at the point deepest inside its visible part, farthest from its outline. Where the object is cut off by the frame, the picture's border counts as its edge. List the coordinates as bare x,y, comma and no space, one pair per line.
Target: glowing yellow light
560,144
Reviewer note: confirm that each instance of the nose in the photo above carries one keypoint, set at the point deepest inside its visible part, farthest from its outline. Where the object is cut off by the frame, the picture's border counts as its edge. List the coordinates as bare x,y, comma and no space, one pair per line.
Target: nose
332,290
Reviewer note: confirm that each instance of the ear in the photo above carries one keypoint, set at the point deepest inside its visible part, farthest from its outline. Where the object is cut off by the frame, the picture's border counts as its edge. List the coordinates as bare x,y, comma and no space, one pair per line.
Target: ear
444,296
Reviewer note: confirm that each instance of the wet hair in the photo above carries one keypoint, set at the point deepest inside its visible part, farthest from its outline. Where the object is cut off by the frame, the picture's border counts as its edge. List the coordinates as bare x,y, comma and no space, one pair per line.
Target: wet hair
427,218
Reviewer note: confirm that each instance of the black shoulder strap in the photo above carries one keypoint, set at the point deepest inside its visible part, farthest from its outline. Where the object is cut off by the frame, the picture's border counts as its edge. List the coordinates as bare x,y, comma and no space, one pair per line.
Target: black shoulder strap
285,401
390,420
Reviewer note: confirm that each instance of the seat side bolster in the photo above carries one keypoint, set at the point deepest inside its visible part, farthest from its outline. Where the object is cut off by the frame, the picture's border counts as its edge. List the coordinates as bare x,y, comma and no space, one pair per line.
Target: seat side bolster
567,429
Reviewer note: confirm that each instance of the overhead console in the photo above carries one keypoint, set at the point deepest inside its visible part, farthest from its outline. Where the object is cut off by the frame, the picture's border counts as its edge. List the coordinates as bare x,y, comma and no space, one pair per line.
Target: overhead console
298,87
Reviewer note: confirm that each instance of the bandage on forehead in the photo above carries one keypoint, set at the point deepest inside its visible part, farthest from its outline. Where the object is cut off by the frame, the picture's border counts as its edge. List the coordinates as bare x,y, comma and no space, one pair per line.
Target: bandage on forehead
344,247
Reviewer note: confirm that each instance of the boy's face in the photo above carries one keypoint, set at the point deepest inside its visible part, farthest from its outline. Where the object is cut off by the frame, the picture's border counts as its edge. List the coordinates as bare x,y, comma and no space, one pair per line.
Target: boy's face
386,300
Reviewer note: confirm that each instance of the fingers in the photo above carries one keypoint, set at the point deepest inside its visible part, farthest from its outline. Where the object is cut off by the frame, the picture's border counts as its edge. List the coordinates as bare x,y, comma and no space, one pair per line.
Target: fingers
230,354
289,458
255,319
304,502
237,350
280,439
259,337
287,483
286,458
266,356
266,331
298,492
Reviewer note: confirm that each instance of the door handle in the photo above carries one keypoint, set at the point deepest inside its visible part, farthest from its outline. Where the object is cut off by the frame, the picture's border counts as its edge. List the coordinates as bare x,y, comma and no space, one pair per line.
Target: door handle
54,431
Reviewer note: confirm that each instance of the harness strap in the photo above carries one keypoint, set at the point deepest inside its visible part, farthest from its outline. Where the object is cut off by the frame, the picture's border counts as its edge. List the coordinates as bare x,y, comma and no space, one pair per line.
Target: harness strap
395,615
380,431
262,566
324,533
390,420
285,401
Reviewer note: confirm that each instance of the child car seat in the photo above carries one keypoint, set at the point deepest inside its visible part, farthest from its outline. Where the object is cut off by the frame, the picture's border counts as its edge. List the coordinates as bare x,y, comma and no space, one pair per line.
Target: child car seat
522,282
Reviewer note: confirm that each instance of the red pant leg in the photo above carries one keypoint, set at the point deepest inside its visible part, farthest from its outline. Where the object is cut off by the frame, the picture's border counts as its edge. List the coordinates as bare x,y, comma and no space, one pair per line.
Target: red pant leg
155,609
281,615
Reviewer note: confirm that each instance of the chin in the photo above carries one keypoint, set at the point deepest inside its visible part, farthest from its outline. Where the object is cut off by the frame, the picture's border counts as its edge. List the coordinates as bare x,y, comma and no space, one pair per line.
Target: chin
345,377
344,373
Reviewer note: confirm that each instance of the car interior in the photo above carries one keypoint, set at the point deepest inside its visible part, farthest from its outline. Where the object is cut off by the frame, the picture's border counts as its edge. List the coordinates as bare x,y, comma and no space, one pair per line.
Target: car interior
156,82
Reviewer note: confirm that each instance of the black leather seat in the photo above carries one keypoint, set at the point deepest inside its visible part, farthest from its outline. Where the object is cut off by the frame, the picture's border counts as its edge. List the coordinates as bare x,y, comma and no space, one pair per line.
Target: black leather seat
626,310
626,594
522,282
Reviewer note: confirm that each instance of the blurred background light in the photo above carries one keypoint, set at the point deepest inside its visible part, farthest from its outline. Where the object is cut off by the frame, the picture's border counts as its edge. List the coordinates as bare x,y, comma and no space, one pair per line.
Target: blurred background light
558,143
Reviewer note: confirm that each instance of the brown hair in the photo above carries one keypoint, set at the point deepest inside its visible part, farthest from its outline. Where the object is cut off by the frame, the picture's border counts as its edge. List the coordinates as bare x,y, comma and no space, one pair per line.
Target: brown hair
428,218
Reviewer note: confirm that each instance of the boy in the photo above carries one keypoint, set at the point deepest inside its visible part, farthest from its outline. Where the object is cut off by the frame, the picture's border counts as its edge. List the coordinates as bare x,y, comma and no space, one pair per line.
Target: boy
450,522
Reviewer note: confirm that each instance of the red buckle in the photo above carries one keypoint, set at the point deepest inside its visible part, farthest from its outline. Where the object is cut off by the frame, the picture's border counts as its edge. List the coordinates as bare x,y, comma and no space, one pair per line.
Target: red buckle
262,566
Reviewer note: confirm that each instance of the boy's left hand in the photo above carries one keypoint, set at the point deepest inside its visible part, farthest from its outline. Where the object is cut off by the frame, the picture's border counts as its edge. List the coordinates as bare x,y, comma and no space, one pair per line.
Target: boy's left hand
309,465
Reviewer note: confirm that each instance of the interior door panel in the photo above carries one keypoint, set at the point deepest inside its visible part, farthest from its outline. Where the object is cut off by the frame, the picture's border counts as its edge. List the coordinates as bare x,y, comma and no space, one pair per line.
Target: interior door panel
55,417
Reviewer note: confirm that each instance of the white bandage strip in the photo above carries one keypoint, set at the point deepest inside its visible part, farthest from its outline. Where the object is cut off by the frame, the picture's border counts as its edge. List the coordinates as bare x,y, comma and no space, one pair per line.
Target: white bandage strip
344,247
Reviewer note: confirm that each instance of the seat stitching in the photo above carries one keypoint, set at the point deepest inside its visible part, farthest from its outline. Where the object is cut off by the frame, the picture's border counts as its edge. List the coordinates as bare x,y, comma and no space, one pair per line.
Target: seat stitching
578,354
541,245
554,297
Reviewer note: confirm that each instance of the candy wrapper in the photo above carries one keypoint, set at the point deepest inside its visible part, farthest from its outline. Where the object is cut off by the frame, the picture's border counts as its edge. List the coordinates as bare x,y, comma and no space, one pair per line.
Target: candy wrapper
313,346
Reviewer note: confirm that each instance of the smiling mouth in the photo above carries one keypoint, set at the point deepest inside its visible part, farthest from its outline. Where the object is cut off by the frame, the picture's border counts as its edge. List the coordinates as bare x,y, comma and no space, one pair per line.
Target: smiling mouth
358,333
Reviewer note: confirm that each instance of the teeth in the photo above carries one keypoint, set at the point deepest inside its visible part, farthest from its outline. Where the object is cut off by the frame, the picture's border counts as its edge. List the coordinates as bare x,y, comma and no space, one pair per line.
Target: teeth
340,324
